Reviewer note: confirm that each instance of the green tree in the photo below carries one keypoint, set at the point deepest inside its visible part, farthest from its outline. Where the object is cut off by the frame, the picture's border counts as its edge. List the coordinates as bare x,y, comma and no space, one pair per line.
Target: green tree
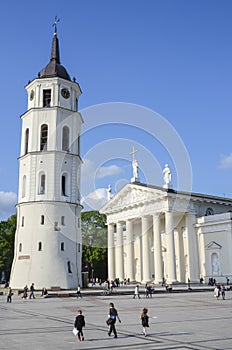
94,243
7,237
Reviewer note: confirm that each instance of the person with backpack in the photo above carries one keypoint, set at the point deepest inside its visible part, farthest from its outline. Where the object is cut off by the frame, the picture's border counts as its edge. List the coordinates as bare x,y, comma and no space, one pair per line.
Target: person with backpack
112,317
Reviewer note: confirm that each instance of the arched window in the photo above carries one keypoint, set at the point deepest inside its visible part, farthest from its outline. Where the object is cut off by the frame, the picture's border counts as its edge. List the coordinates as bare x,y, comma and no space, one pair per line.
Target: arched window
42,220
63,185
69,267
26,140
209,211
24,186
62,221
65,139
42,183
39,246
43,137
20,247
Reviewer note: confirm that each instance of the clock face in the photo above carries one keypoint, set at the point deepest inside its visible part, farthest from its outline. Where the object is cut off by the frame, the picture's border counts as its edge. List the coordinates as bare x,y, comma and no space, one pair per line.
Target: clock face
32,94
65,93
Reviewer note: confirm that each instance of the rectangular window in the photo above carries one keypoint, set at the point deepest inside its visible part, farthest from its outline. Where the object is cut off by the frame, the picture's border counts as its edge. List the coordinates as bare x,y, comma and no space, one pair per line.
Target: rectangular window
47,97
78,222
79,247
69,267
56,226
62,246
22,221
63,183
42,220
62,220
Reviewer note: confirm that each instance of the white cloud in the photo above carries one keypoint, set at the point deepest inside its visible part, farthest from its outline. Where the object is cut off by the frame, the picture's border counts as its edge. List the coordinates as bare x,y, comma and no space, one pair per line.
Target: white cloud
226,161
95,200
110,170
8,201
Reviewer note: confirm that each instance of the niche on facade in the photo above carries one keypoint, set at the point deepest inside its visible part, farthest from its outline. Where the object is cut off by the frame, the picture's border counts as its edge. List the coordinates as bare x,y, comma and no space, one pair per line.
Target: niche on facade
213,258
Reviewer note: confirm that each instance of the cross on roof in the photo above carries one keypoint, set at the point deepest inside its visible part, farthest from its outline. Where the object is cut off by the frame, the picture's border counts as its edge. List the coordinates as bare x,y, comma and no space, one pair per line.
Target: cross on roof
55,24
133,153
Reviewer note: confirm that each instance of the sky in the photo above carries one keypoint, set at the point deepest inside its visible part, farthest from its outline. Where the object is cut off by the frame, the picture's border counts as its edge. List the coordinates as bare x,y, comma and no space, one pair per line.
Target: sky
155,75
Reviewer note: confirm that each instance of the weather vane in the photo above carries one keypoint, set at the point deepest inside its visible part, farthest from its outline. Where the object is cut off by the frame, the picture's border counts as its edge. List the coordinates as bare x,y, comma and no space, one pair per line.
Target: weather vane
55,23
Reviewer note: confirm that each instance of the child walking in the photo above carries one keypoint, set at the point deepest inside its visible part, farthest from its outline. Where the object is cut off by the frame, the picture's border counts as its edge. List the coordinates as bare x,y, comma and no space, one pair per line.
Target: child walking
79,324
144,319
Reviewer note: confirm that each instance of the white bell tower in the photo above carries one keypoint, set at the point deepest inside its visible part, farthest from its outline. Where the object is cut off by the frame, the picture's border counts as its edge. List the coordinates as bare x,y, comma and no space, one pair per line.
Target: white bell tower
48,235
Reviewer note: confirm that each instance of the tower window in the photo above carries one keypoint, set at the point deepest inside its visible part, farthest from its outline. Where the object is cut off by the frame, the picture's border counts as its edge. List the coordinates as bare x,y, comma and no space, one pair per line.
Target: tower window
22,224
79,247
56,226
62,220
42,220
39,246
65,139
63,185
20,247
24,186
62,246
69,267
47,98
43,137
26,140
42,184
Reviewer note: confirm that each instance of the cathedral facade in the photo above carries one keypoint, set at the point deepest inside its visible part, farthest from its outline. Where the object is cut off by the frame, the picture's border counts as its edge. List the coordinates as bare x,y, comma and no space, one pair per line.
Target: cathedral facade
157,233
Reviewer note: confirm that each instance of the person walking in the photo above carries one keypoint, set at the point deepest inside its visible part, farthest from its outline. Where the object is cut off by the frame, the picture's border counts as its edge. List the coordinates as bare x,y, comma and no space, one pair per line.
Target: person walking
136,292
145,321
25,290
79,324
112,317
32,289
79,291
223,290
9,295
217,292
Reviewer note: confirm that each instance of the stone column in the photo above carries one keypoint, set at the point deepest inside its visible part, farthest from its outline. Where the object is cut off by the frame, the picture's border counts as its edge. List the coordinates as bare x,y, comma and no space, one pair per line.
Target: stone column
119,261
158,262
171,259
193,261
111,252
130,251
146,273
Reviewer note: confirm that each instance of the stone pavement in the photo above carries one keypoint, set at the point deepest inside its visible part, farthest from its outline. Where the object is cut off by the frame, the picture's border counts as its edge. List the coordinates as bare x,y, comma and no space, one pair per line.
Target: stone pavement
177,321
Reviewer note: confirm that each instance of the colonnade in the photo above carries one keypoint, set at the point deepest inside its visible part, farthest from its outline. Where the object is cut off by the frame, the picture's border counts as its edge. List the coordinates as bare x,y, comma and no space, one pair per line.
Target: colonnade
123,254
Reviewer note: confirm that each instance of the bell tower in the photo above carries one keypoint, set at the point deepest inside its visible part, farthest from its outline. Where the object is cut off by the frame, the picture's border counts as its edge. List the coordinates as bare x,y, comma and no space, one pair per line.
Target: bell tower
48,235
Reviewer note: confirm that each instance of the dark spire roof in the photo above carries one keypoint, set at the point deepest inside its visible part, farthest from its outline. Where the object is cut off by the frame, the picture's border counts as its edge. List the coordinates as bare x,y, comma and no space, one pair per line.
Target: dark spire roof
54,68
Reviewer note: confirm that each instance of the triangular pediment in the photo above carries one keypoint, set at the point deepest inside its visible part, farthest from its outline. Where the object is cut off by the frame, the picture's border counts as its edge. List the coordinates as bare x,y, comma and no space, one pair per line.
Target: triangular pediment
213,245
132,195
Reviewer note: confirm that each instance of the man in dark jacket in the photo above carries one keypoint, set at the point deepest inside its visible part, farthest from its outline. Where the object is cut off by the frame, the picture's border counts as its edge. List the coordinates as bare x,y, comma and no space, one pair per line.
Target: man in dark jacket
79,324
113,314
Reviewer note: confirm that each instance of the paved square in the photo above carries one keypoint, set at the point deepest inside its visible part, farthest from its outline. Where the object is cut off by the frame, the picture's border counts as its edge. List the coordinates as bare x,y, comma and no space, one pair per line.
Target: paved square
177,321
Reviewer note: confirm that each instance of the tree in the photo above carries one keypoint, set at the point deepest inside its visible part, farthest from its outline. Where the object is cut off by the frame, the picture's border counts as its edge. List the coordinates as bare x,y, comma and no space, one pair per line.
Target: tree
94,243
7,237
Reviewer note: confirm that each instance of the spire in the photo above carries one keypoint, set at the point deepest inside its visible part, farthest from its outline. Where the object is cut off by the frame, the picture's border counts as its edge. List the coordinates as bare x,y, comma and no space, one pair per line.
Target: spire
55,53
54,68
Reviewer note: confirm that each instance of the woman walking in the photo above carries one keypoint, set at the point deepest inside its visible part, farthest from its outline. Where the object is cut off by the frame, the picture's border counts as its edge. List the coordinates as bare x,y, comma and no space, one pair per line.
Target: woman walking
144,319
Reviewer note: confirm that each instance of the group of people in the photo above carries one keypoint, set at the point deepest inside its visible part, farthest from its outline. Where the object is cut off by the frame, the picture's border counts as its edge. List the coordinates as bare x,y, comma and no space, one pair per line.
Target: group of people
220,290
113,316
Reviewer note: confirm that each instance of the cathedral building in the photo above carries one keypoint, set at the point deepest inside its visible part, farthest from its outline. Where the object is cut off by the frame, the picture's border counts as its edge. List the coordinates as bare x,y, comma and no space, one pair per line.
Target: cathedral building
48,235
157,233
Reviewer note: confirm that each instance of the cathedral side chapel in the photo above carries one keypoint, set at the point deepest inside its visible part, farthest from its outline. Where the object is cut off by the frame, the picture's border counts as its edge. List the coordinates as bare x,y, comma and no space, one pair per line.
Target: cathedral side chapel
157,233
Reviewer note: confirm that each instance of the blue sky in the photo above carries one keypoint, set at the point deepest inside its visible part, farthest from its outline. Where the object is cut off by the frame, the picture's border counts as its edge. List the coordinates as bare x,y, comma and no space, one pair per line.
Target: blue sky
168,58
